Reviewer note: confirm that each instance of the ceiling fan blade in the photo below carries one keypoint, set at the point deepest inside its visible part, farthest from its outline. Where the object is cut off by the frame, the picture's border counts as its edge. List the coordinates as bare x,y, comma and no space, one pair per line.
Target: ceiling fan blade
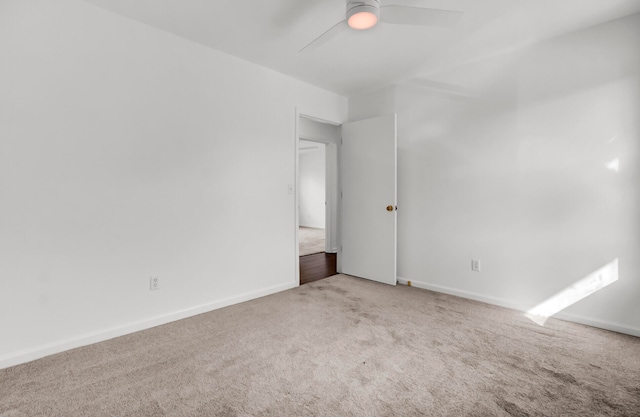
418,16
326,36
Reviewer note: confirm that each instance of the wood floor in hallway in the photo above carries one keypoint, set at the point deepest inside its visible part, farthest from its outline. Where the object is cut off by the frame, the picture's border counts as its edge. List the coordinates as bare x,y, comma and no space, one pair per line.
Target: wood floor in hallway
317,266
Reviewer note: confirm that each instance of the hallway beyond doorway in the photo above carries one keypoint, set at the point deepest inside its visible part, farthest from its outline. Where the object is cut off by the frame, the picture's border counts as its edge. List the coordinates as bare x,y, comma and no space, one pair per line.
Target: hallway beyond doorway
311,240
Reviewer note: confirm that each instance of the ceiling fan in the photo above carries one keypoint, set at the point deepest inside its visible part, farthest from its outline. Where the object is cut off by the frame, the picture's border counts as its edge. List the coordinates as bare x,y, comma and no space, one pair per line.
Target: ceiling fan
365,14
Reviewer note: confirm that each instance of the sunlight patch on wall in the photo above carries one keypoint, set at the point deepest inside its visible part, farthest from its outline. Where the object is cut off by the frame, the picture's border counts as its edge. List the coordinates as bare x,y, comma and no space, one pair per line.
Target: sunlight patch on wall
614,165
590,284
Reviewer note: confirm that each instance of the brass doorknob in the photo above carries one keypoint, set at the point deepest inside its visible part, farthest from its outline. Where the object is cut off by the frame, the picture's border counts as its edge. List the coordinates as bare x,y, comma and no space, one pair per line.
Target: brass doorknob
389,208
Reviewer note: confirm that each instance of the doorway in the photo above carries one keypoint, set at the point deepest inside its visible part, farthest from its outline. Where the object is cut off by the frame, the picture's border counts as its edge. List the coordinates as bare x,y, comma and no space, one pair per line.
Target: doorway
312,201
317,198
367,164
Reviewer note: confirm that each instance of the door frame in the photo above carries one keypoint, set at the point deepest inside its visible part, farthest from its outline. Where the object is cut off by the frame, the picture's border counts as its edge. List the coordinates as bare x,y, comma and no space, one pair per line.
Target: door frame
328,195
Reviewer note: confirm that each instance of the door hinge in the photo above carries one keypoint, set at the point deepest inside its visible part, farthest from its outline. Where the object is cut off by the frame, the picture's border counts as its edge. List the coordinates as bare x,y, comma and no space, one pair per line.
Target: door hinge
341,141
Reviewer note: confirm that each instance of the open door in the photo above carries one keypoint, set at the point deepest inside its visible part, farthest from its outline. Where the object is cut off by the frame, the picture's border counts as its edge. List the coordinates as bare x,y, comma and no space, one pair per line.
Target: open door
368,170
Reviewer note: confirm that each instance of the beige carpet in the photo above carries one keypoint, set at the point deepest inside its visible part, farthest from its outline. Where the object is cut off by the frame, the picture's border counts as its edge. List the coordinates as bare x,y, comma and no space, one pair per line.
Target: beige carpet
311,240
340,347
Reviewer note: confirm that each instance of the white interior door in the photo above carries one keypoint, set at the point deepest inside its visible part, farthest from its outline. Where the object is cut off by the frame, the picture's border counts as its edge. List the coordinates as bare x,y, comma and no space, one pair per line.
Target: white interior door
368,171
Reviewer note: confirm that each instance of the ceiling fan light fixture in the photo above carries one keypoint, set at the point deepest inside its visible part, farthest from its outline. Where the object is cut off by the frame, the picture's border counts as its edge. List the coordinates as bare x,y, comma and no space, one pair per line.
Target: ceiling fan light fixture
363,20
363,15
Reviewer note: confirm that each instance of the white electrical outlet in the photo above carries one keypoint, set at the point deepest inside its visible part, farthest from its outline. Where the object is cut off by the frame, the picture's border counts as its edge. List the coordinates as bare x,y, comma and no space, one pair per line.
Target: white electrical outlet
154,283
475,265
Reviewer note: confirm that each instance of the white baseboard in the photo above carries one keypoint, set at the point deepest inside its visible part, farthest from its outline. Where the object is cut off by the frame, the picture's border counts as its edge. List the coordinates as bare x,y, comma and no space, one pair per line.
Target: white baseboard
614,327
311,226
38,352
459,293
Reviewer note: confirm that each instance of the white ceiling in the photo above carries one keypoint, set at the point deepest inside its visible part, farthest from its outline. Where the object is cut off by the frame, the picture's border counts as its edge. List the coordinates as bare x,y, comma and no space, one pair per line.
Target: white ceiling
270,33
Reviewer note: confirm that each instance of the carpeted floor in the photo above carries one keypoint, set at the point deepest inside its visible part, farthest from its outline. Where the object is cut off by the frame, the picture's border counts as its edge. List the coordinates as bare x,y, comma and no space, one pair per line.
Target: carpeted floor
311,240
340,347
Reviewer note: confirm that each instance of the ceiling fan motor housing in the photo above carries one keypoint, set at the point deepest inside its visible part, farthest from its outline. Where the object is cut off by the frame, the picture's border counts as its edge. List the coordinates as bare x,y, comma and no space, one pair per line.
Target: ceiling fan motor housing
363,6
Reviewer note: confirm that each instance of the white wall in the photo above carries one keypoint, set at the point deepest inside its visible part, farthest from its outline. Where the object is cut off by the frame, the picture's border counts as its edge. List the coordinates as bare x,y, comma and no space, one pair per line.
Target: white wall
312,186
124,153
516,175
372,104
318,131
